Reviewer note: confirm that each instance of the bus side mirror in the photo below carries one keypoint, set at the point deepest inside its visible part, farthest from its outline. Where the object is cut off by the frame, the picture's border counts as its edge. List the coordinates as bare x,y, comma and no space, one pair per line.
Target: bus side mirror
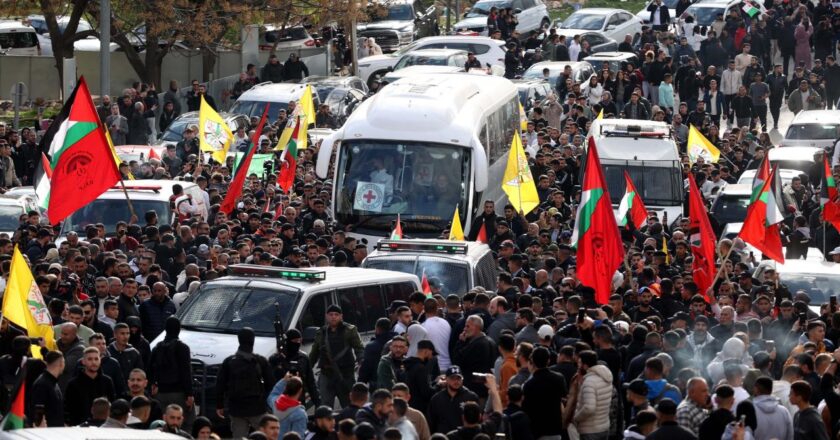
479,165
309,334
322,163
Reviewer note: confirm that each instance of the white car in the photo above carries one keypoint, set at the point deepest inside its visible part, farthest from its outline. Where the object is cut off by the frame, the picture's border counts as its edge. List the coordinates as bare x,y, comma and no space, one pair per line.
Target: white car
486,50
787,175
89,44
432,57
532,15
612,23
705,11
793,158
581,71
295,37
813,128
11,210
819,279
17,38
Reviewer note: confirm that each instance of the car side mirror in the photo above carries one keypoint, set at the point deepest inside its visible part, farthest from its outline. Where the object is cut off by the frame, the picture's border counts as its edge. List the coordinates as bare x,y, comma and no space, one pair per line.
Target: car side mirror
309,334
610,27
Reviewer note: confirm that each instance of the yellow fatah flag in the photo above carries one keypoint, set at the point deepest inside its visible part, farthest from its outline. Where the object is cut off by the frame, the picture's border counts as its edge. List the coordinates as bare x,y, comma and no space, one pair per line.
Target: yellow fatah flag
523,118
214,135
307,105
699,146
665,249
117,159
456,232
600,115
518,183
24,306
296,128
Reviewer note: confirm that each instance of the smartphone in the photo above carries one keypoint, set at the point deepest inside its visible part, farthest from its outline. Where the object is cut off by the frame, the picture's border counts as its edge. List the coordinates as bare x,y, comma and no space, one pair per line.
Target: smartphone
293,368
802,318
743,420
769,345
581,315
479,378
833,303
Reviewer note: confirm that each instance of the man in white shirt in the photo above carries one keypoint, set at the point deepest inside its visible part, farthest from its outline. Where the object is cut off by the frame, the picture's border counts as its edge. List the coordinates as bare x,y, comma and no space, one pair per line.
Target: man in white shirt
574,48
438,331
743,59
380,175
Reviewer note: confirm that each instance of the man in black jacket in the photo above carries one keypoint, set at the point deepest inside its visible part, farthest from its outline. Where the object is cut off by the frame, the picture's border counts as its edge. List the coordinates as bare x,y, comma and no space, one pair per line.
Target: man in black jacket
669,429
170,371
475,352
518,422
84,388
831,75
543,393
243,383
45,397
418,371
486,219
289,358
120,350
659,16
445,407
777,81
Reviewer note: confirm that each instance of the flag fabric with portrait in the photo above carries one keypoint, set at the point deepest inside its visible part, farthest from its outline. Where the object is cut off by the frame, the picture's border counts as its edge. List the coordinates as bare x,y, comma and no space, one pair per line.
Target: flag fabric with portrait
24,306
517,182
699,146
214,135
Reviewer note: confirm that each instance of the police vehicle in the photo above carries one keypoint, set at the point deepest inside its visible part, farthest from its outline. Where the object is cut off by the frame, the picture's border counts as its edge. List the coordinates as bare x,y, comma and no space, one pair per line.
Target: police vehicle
274,299
453,266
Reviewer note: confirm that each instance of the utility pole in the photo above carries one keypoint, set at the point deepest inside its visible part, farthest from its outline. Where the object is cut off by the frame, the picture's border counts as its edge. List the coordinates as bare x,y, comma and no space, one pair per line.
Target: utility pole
104,47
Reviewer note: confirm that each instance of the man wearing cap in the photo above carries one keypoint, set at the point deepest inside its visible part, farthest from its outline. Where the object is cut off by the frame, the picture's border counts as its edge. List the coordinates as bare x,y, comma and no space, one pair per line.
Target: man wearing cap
445,406
336,349
118,415
323,427
669,429
834,255
637,391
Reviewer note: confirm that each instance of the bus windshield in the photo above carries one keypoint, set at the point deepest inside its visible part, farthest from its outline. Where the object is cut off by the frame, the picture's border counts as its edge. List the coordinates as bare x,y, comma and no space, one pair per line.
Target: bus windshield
452,276
422,182
111,211
658,185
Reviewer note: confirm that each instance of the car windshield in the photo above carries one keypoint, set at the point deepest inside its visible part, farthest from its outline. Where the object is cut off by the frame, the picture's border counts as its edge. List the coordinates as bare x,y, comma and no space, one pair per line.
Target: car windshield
819,287
579,20
422,182
452,275
704,16
227,309
535,72
392,12
421,60
730,208
813,131
111,211
658,185
10,217
255,109
482,9
175,131
18,40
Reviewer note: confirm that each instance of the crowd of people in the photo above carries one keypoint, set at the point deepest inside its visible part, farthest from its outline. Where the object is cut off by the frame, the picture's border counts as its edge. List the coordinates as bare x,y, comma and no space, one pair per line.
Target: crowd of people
531,358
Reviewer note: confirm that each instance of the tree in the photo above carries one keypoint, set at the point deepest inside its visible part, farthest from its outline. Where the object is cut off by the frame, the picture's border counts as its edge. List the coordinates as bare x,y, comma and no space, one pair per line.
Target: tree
53,11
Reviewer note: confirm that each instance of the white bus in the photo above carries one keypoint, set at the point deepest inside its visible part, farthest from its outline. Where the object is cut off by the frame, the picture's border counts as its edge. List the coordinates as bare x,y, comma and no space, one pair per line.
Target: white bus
418,148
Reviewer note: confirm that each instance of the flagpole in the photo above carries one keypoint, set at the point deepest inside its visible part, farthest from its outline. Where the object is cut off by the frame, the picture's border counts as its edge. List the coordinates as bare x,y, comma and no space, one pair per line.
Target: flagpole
723,264
128,199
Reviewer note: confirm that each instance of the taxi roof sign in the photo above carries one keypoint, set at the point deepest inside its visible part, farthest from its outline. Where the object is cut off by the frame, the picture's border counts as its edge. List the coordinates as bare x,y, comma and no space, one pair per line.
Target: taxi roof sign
422,246
278,272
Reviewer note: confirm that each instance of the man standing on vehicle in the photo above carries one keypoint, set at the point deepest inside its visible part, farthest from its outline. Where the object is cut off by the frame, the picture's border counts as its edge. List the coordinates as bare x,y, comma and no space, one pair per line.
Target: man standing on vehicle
244,381
336,349
659,16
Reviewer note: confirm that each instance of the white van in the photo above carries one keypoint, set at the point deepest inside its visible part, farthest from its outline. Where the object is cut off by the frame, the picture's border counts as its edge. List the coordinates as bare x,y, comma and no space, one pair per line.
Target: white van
260,296
458,265
813,128
146,195
648,152
277,95
17,38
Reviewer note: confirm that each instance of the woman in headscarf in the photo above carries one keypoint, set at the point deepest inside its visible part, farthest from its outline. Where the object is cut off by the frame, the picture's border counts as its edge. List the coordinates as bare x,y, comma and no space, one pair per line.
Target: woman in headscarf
414,335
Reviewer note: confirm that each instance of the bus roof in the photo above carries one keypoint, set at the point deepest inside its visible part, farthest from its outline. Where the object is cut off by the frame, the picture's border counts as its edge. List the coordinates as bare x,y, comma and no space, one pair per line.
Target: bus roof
439,108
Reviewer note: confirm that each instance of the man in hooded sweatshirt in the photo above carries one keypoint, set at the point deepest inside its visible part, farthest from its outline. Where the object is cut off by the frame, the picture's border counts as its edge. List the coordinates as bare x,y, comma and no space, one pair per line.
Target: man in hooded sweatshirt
243,383
170,371
774,421
285,401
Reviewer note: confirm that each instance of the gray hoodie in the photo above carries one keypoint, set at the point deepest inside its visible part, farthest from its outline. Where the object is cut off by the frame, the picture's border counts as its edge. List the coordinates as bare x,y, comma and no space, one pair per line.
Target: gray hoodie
774,421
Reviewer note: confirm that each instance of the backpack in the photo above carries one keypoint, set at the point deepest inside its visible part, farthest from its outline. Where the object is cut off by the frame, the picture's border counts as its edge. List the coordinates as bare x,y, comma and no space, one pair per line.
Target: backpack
164,363
245,378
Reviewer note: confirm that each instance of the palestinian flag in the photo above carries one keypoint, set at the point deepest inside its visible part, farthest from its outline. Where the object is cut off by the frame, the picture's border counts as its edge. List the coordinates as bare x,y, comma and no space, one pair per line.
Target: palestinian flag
238,181
43,174
288,160
14,418
750,9
829,196
397,233
761,227
81,159
596,237
424,283
702,240
631,204
482,234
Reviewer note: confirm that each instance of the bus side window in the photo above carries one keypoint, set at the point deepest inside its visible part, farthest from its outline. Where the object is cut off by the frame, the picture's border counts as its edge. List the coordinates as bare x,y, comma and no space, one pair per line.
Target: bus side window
399,291
352,301
486,272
